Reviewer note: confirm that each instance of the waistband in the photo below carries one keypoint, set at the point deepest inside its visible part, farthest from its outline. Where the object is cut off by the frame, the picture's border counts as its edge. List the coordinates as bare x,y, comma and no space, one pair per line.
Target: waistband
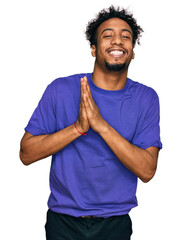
90,217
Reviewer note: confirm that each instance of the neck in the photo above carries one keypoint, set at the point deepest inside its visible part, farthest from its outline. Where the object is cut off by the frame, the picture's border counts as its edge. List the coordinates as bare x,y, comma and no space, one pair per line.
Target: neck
108,80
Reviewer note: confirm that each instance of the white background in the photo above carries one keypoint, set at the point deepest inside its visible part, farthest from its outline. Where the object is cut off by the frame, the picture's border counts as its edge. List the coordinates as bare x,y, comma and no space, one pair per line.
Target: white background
41,40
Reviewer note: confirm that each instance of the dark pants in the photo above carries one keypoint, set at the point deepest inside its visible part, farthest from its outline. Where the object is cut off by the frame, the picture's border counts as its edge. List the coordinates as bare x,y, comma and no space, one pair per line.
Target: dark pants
64,227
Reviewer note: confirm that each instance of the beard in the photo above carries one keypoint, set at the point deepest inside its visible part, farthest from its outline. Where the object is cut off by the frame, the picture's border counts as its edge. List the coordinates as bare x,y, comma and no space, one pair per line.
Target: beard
116,67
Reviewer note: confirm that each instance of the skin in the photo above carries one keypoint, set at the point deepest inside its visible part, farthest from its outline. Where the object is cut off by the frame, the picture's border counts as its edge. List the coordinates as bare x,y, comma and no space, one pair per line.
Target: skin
113,34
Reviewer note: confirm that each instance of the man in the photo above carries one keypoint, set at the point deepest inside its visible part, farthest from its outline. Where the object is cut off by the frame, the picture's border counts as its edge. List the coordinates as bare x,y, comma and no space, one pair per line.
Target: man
102,130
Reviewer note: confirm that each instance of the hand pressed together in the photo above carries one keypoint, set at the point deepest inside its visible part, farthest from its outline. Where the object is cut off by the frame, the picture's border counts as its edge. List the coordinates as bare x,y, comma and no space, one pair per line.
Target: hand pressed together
89,114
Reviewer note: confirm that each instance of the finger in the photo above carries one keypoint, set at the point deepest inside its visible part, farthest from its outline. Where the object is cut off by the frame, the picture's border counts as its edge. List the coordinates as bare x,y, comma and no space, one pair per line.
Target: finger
82,111
82,88
90,98
90,101
88,104
87,89
87,86
85,101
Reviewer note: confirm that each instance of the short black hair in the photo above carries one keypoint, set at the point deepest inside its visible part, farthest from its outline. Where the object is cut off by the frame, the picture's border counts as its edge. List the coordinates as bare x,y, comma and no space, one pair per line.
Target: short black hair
112,12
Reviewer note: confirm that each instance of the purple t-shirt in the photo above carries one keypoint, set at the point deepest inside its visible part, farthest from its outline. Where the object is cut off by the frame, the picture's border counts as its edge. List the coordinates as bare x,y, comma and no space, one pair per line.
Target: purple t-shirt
86,178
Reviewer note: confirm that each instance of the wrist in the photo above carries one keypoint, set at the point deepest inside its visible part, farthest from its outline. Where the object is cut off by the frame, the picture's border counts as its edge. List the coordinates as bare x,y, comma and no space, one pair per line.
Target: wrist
78,129
102,127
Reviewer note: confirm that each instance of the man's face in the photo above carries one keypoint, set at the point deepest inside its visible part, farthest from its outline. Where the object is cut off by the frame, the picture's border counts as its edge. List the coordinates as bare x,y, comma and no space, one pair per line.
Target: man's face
114,49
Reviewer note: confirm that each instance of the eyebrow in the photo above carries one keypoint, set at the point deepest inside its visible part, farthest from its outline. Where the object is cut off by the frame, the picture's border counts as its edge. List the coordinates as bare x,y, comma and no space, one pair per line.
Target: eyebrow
123,30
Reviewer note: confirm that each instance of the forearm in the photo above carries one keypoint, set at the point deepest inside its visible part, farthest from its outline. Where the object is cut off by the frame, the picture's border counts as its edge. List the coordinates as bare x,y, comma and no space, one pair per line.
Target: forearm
137,160
34,148
141,162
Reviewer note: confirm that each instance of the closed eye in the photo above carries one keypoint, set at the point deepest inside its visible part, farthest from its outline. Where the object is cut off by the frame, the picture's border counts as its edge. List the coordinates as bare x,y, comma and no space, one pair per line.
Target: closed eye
125,36
107,36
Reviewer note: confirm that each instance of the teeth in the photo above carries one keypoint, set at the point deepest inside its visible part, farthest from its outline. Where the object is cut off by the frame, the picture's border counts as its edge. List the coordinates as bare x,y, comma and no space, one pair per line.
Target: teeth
117,52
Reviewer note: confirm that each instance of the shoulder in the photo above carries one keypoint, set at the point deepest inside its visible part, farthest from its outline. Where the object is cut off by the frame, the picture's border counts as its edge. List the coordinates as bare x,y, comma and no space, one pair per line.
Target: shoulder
142,92
71,80
65,85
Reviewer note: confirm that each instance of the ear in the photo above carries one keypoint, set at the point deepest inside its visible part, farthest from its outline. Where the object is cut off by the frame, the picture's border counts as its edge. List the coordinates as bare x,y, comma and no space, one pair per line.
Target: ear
133,55
93,50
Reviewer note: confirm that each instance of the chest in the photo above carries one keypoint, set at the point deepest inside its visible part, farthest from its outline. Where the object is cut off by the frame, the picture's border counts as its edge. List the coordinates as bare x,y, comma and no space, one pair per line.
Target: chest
120,112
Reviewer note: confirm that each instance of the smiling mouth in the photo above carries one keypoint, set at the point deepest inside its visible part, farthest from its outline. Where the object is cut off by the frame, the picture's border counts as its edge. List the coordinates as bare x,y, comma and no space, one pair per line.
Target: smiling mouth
116,53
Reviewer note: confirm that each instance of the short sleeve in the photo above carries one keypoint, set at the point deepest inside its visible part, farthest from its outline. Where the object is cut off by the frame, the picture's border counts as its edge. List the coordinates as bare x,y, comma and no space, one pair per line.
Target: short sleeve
148,128
43,119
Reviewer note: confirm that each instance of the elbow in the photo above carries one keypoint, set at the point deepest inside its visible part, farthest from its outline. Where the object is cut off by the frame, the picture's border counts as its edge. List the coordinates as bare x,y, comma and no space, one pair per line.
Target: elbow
26,153
27,157
145,180
24,159
148,172
146,177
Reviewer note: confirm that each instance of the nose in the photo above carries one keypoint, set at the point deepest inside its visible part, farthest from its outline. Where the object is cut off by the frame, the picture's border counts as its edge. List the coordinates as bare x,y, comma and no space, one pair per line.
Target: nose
117,40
